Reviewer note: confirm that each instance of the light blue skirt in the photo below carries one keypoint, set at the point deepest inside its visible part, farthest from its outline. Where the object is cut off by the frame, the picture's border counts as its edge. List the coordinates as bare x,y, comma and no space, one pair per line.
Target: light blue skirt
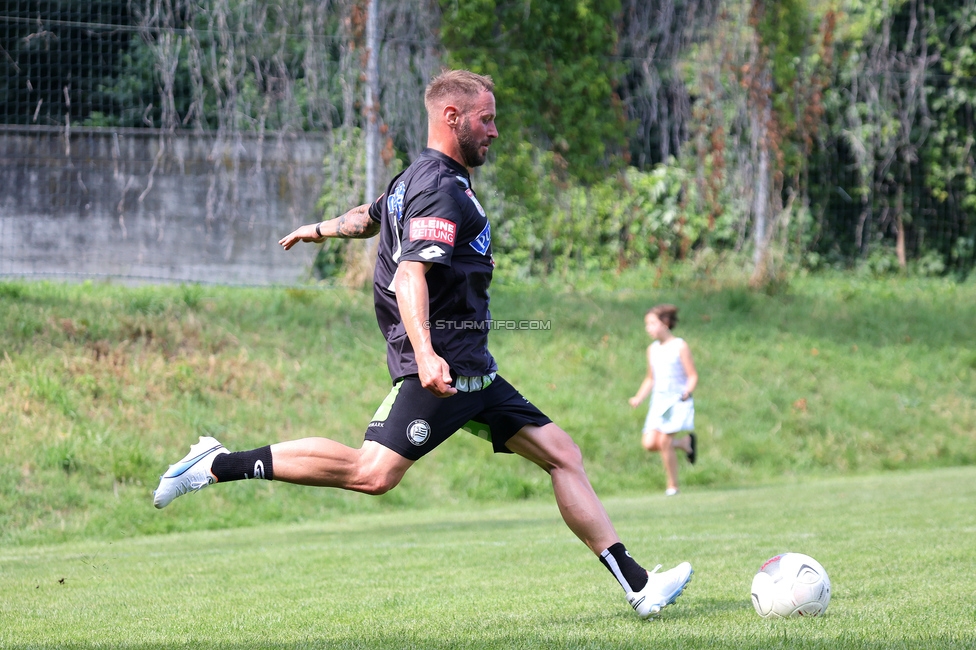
670,414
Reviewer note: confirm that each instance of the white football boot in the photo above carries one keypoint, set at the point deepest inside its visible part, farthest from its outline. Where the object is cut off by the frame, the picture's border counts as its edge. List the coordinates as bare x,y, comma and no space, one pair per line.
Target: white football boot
661,590
192,473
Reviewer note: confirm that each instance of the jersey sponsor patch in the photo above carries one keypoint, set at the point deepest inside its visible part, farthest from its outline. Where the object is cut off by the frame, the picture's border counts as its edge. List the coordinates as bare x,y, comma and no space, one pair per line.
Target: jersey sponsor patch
477,204
433,229
431,252
482,242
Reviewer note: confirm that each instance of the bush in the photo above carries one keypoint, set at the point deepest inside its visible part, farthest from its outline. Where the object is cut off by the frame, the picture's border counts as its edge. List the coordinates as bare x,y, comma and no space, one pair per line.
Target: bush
630,219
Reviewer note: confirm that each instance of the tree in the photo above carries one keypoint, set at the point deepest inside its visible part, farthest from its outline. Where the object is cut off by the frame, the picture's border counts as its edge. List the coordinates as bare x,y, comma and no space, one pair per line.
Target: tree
654,37
54,55
555,74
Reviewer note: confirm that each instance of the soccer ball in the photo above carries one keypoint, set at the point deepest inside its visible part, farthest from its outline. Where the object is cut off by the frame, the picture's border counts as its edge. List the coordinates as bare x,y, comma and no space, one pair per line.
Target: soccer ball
791,584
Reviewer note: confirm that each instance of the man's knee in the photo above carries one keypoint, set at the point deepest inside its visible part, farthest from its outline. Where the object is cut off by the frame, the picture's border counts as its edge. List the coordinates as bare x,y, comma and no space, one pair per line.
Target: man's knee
378,483
573,455
547,446
379,469
564,451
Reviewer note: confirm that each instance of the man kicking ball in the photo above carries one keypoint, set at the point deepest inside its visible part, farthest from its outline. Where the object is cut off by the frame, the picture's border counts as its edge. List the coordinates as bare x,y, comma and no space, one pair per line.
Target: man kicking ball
433,268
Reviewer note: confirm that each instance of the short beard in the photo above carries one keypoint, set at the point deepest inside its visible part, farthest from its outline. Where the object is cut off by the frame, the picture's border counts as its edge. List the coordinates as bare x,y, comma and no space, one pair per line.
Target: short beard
470,150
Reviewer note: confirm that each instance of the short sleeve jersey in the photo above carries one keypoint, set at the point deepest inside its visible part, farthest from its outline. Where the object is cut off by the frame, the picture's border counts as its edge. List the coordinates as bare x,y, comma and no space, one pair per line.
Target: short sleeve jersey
430,213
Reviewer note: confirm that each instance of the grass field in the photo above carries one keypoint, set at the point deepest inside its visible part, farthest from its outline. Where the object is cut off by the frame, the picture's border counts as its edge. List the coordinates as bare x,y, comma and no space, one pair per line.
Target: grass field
899,548
837,417
103,386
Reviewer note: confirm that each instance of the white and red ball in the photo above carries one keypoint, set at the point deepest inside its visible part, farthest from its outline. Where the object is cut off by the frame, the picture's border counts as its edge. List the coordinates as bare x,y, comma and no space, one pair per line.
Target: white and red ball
791,584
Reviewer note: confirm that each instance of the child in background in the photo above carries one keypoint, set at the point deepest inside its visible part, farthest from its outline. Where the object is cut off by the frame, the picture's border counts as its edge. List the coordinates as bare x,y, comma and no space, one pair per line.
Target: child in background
671,379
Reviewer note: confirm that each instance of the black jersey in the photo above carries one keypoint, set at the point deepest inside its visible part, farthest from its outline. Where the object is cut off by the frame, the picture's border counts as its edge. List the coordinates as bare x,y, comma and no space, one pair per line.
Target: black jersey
430,213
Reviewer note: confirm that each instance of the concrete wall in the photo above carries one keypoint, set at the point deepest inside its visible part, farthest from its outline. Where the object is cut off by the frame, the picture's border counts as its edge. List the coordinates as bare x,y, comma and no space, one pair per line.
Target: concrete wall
141,205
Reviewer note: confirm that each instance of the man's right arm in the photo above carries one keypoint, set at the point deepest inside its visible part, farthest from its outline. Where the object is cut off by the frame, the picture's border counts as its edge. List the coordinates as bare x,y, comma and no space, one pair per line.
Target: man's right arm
413,301
355,224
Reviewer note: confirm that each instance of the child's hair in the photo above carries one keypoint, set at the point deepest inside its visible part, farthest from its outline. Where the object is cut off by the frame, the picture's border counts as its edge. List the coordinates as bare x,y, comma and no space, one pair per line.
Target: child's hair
668,314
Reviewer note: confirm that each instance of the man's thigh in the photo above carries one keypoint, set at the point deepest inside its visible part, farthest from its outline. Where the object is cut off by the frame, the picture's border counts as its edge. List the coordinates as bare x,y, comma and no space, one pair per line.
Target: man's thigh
506,412
413,422
547,446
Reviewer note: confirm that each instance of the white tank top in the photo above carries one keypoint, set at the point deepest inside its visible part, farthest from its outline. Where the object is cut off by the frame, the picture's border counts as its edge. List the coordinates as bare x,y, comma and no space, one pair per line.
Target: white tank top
669,372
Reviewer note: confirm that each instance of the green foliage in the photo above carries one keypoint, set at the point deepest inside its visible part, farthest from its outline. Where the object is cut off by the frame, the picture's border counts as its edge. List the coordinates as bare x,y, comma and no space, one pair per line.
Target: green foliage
951,151
554,78
633,218
784,31
873,100
134,95
54,55
871,129
343,189
901,110
880,262
872,125
242,65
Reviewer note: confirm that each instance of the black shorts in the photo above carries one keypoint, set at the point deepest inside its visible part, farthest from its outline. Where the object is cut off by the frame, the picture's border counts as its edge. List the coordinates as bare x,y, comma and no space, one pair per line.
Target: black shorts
412,421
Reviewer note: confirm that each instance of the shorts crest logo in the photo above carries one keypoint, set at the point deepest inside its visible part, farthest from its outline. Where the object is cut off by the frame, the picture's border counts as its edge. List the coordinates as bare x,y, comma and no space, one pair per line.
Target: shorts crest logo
417,432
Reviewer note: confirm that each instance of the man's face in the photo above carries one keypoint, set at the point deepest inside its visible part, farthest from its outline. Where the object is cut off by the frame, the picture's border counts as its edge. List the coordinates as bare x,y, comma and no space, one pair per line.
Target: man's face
476,129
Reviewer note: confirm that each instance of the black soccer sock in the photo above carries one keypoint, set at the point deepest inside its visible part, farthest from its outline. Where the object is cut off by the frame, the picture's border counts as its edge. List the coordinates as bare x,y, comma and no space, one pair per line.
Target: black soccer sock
630,575
242,465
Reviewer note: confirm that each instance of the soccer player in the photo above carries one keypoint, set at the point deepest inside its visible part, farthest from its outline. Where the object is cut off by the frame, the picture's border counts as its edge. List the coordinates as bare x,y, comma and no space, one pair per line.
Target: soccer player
433,268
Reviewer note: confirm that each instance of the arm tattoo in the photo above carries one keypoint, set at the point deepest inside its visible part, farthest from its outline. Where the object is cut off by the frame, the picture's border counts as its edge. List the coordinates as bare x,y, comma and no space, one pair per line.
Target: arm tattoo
356,224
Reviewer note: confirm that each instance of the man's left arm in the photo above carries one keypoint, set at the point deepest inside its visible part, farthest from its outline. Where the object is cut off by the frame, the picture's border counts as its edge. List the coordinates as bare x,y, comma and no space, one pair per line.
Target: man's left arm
354,224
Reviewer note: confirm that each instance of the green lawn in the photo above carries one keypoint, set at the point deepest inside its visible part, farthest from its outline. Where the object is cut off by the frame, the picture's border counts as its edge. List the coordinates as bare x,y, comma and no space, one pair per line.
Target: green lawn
899,548
103,386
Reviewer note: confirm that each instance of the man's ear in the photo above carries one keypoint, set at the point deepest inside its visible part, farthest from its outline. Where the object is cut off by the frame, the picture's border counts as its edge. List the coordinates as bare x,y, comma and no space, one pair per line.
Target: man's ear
452,115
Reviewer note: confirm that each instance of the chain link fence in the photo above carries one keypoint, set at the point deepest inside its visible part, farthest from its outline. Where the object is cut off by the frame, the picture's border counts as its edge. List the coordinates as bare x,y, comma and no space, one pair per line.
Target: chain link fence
167,139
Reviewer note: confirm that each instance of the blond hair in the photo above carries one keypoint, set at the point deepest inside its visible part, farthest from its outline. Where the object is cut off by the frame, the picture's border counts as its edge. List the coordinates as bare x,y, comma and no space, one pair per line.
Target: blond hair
460,86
